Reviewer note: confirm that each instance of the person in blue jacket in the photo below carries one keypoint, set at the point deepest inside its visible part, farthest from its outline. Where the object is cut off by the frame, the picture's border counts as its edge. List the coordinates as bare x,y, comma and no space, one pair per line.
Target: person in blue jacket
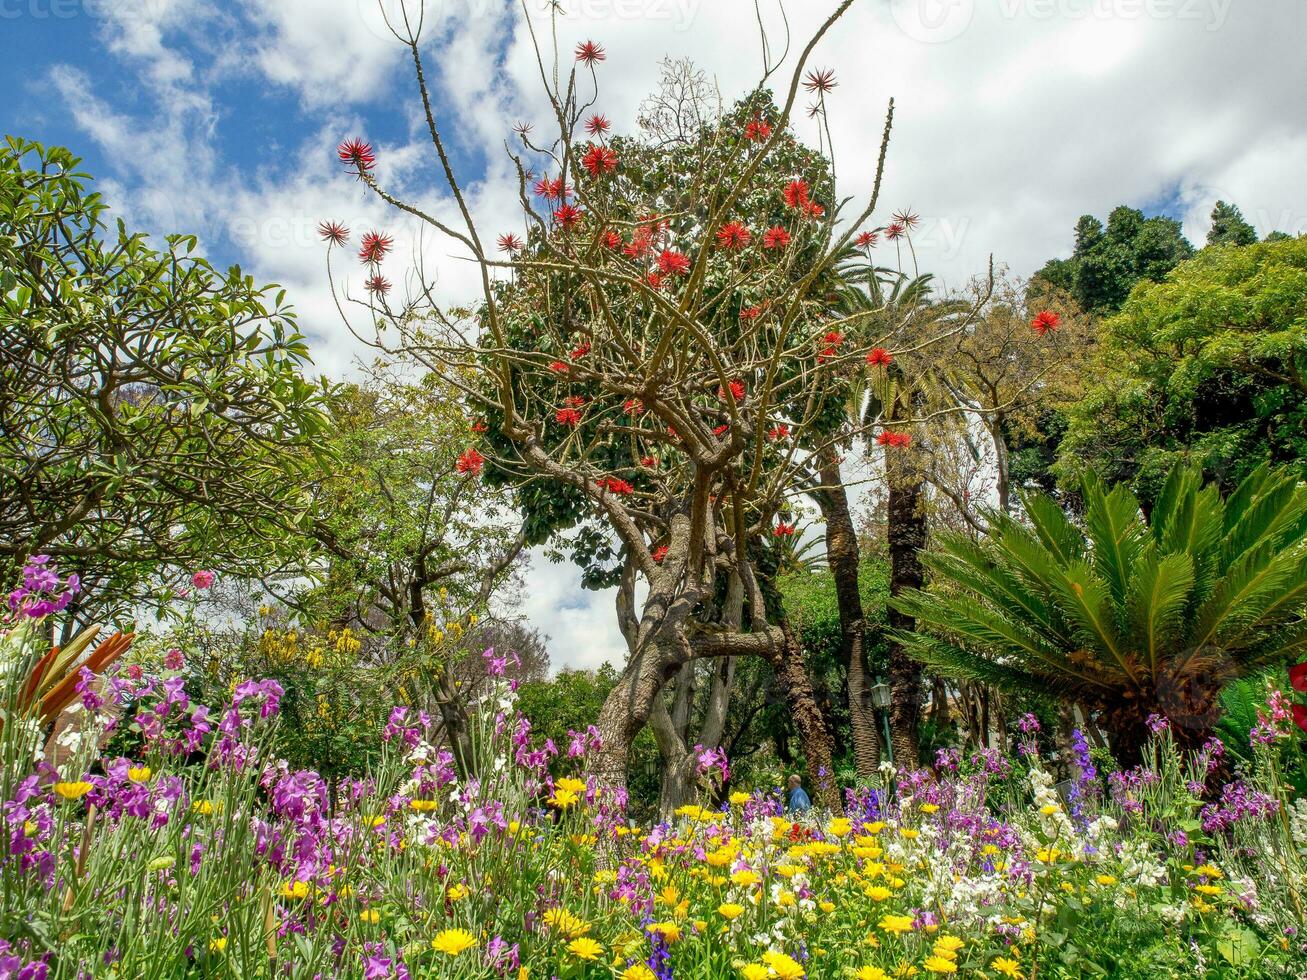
798,801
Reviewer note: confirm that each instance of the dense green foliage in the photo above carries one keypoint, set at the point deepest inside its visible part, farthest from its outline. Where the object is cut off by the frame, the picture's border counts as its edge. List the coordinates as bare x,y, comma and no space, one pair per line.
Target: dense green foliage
1210,365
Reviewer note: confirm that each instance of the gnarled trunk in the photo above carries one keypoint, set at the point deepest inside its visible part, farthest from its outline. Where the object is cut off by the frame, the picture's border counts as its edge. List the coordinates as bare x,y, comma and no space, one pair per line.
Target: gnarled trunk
842,555
815,738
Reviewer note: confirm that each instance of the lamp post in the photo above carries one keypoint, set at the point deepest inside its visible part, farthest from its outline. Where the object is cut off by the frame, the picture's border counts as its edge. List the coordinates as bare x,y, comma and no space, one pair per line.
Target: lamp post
880,699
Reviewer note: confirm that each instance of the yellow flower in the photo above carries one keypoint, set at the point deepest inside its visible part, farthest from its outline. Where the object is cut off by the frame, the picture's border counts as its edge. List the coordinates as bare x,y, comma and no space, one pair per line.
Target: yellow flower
584,948
930,808
565,922
1208,889
871,973
907,833
895,923
948,945
783,965
139,774
1048,809
294,889
638,972
451,942
370,916
739,799
218,945
877,893
827,907
839,827
755,971
730,910
670,931
1208,871
72,791
1047,855
746,878
1106,879
562,799
1007,967
571,785
202,807
939,964
423,806
456,892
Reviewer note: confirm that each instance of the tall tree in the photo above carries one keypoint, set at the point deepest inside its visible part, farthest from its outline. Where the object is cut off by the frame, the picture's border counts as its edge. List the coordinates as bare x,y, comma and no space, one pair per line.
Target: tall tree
653,324
154,417
1229,226
1107,262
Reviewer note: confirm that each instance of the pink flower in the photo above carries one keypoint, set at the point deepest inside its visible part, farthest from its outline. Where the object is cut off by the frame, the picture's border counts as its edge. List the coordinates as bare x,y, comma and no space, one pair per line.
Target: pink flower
202,579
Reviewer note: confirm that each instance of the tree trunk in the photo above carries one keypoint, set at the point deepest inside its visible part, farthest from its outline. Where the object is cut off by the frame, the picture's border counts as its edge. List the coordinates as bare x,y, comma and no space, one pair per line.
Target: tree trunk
907,537
814,737
843,556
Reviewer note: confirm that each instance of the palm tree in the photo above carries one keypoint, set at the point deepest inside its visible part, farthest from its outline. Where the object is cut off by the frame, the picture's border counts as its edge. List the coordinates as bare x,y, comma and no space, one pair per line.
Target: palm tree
1129,615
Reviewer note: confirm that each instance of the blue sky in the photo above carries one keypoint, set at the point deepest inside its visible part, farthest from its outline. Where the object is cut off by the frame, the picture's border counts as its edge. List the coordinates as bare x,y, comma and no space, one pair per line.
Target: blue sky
1014,117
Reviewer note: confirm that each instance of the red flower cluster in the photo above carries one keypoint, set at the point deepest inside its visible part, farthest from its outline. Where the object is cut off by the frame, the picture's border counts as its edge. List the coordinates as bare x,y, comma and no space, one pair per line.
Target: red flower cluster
775,238
612,240
796,194
334,232
479,426
751,313
673,263
649,462
470,462
879,357
660,553
1045,322
733,235
830,346
375,246
778,432
568,216
378,285
867,239
644,239
615,485
579,351
895,230
894,440
721,430
569,417
1298,681
597,125
654,280
510,243
783,530
758,130
358,154
551,190
735,390
820,80
559,367
633,406
599,159
588,52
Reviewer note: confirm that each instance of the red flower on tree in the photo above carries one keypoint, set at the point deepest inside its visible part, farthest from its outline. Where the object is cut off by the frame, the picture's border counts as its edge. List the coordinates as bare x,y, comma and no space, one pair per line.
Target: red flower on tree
569,417
813,210
568,216
758,130
649,463
735,391
879,357
907,218
783,530
654,280
470,462
616,485
673,263
597,125
733,235
377,285
633,406
751,313
579,351
778,432
894,440
796,193
510,243
559,367
820,80
894,230
775,238
1045,322
589,53
830,346
334,232
721,430
660,553
358,154
479,426
867,239
374,247
599,159
550,190
612,241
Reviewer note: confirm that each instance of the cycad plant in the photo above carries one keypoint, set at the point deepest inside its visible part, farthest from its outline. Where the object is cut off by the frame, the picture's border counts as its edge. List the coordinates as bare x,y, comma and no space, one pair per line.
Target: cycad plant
1126,614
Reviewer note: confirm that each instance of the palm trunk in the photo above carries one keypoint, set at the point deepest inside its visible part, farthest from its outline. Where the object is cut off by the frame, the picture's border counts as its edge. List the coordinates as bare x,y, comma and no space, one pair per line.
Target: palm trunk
842,554
814,737
907,537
